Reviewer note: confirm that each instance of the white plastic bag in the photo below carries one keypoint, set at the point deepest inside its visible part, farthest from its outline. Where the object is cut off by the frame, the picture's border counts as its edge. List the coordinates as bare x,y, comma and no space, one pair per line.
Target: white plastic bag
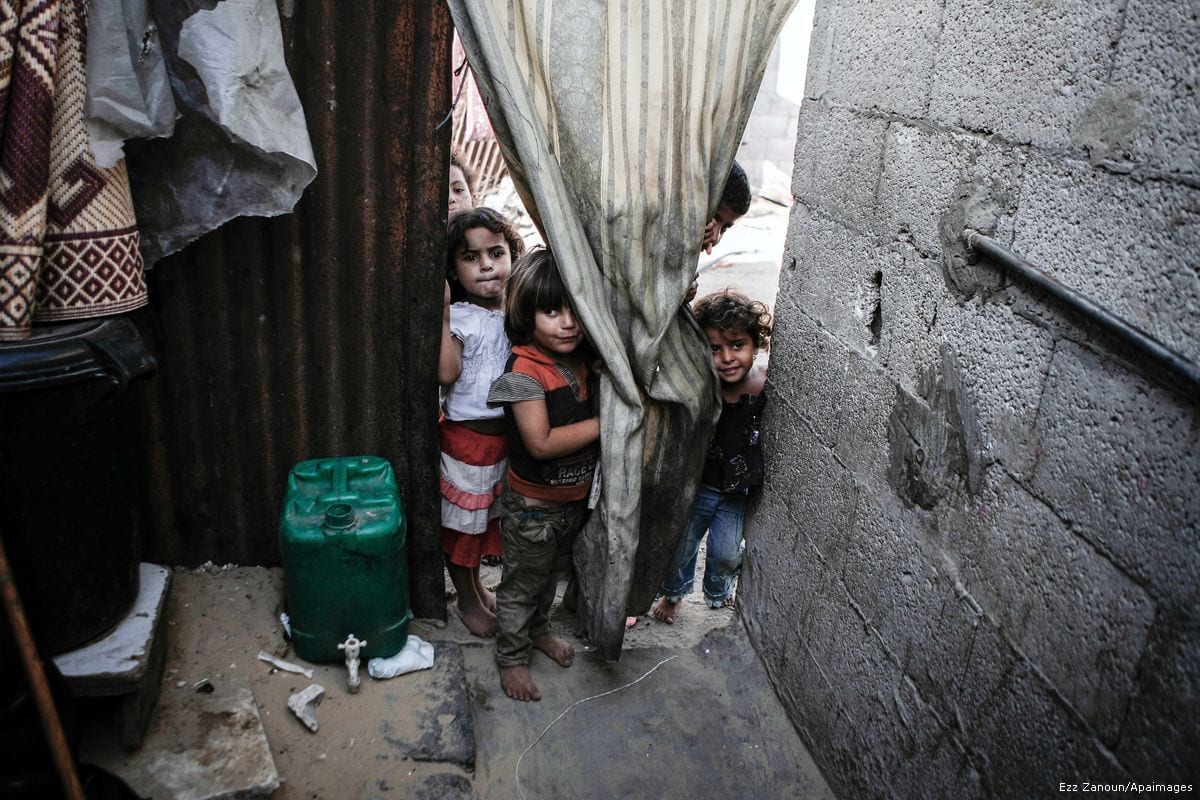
417,654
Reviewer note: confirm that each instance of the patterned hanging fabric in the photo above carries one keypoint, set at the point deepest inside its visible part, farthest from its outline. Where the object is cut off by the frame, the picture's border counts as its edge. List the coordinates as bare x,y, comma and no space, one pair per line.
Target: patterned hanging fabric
68,234
619,120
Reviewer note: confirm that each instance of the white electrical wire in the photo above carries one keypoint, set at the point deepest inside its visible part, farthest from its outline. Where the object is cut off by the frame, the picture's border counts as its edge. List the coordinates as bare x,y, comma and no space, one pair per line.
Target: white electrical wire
517,770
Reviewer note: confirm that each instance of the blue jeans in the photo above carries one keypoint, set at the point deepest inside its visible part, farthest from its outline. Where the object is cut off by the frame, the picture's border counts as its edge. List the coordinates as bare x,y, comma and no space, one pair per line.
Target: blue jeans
720,516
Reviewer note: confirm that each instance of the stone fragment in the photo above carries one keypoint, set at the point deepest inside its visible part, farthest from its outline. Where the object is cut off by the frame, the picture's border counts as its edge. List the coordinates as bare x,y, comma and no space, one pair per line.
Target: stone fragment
304,704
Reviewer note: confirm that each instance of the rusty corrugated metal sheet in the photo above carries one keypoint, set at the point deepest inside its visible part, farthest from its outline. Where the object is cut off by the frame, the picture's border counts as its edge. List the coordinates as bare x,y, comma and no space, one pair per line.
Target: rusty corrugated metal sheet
312,334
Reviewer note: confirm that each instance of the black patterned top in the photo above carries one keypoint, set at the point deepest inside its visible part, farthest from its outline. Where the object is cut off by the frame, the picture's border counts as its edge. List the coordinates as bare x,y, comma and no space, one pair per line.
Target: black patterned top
735,455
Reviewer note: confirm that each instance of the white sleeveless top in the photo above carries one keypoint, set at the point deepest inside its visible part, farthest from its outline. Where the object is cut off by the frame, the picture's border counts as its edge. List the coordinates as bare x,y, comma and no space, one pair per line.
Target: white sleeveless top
485,351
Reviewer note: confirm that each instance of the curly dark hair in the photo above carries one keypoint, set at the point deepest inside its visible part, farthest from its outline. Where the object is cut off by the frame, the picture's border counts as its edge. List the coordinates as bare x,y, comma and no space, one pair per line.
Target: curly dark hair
456,237
730,310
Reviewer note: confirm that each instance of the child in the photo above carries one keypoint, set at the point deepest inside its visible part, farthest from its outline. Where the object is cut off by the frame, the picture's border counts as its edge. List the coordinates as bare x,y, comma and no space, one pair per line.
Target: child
549,398
735,327
462,185
734,203
480,246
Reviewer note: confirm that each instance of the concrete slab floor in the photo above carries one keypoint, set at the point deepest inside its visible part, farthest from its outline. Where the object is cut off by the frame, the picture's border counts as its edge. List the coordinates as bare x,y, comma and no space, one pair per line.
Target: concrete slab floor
190,734
687,712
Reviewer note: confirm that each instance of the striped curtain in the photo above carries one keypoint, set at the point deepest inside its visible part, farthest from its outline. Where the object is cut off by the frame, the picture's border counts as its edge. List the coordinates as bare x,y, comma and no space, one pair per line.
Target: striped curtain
619,120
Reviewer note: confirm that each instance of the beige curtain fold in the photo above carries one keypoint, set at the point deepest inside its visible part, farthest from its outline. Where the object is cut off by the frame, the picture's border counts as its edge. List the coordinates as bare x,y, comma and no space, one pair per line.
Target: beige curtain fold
619,121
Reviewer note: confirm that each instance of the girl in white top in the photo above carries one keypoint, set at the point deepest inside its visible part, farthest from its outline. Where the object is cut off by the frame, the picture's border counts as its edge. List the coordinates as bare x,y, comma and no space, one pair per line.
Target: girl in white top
480,248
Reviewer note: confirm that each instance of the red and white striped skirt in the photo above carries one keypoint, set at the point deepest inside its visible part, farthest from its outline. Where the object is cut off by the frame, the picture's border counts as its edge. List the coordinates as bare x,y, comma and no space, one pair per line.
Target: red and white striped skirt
472,476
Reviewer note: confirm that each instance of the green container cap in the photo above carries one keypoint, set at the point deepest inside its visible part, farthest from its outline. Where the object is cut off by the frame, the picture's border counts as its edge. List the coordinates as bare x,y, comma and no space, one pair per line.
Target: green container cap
339,516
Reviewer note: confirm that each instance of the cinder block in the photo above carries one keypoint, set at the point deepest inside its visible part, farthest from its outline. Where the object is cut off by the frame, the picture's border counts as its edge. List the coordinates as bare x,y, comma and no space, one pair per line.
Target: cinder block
945,643
751,150
1043,572
930,174
797,354
820,51
904,745
1118,459
835,276
1030,741
862,419
1033,623
780,149
842,394
781,120
837,163
808,494
1148,113
874,54
1002,360
892,568
1159,734
1130,246
854,672
916,315
1026,71
927,757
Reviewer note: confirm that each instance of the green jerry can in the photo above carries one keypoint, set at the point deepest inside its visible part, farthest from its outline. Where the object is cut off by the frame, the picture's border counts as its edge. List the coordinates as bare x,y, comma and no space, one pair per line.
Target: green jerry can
345,567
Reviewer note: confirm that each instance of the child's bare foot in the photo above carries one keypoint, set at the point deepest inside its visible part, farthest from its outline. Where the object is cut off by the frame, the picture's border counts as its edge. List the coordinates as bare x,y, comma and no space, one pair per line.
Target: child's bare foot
478,619
556,648
518,683
664,610
472,607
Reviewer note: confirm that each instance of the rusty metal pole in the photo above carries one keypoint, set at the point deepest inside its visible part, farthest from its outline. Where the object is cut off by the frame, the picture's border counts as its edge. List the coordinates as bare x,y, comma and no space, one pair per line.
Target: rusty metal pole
51,724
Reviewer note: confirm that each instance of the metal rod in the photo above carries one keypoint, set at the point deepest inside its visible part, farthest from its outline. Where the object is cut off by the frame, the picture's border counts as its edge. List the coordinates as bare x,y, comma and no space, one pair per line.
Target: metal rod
1177,364
51,724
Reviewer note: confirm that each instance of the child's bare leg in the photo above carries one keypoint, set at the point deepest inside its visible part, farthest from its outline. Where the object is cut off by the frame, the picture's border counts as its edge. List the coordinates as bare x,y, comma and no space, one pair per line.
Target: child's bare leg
562,652
664,610
486,595
478,618
518,683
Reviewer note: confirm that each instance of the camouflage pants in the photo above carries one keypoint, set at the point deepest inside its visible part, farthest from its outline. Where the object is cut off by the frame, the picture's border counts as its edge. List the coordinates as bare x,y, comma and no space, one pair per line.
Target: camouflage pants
537,543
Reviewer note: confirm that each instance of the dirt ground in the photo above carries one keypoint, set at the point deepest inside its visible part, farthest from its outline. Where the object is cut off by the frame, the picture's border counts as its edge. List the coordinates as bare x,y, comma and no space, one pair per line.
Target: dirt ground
683,698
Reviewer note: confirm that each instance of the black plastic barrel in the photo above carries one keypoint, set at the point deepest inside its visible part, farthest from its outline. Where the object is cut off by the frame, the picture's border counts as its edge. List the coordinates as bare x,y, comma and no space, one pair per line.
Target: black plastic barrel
67,443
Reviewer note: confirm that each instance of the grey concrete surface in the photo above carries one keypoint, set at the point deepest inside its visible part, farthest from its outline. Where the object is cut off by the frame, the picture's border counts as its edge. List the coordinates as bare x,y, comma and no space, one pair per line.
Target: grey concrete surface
972,570
1132,245
200,746
687,712
698,722
873,54
1026,71
1150,114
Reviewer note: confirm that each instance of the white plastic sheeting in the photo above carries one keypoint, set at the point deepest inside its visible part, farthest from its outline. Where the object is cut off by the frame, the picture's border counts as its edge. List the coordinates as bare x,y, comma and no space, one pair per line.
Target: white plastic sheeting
233,136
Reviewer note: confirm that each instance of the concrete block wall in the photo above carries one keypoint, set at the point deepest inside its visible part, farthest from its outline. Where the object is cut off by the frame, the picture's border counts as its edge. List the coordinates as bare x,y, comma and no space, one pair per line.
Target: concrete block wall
975,568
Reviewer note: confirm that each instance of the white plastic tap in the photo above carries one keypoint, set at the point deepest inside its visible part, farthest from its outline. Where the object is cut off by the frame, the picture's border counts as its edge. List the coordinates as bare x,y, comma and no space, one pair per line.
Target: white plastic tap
352,647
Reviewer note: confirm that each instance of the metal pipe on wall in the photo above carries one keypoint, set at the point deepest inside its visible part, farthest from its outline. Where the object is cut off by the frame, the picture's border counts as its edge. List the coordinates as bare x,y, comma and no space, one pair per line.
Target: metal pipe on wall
1178,365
